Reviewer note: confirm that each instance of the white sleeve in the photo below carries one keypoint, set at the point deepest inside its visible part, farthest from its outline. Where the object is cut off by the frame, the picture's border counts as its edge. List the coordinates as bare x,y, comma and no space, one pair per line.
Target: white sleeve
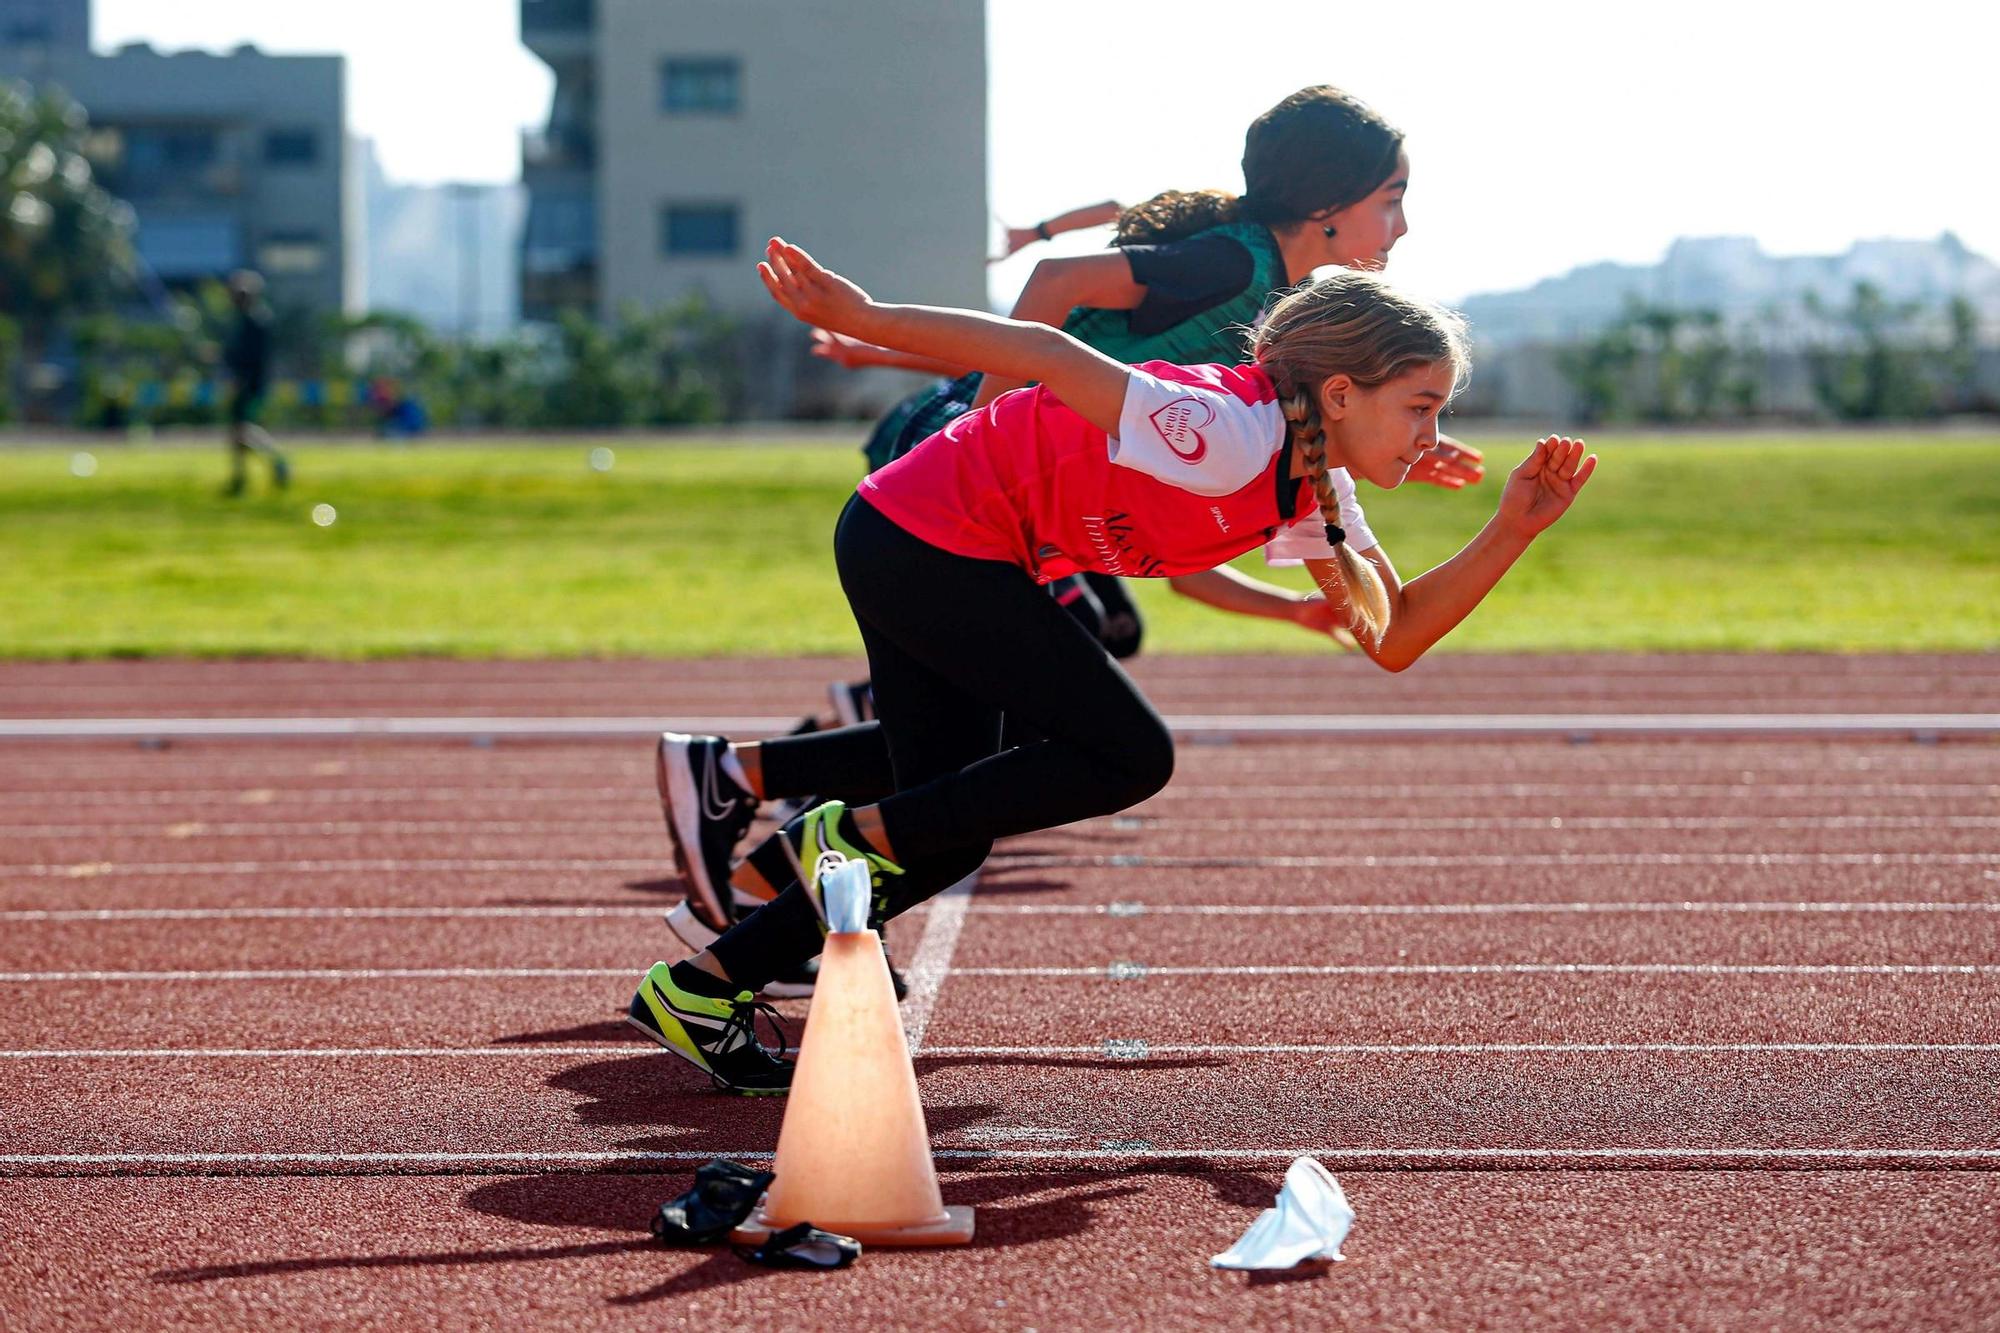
1306,539
1193,437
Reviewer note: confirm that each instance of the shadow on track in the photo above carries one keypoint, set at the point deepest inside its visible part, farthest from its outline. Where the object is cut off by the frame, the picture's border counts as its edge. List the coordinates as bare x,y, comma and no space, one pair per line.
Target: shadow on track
612,1029
623,1203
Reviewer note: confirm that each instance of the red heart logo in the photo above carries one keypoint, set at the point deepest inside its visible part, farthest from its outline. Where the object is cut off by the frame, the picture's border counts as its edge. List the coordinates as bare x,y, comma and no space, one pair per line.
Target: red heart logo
1180,429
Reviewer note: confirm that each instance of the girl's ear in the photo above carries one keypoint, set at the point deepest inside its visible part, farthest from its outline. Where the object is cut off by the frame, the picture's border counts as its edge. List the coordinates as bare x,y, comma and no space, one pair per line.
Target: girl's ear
1335,391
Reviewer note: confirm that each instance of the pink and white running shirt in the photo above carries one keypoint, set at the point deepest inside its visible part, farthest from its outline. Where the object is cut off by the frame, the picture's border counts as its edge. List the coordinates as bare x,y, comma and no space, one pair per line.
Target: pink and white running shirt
1191,481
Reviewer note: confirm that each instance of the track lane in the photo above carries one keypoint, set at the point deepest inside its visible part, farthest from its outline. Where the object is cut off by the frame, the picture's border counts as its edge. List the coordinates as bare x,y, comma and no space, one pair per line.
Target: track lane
252,1011
1880,1249
1435,1110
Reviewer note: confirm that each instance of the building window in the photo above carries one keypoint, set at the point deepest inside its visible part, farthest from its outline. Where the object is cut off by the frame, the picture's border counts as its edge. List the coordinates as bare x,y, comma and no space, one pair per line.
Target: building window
170,149
291,253
706,84
698,229
291,148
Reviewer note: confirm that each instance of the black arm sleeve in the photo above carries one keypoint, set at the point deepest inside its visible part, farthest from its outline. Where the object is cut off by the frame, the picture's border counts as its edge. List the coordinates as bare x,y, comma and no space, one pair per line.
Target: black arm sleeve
1184,278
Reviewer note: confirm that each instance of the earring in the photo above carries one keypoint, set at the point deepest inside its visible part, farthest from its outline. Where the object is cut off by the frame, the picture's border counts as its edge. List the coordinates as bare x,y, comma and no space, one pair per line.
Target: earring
1328,231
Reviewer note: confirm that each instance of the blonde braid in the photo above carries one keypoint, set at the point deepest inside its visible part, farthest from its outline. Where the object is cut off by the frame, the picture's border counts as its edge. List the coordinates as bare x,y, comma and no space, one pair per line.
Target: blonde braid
1361,585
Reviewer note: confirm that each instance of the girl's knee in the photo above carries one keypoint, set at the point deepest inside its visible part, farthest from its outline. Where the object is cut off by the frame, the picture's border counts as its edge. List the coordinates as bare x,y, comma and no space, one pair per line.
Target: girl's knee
1147,762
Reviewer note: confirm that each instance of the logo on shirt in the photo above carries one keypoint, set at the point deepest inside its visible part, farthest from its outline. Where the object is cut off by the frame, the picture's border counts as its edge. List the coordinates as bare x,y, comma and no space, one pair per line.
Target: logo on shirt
1180,429
1113,535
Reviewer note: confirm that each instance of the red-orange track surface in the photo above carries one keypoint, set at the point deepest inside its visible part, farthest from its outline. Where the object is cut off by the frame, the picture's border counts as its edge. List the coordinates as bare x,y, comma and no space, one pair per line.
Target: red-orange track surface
1635,1033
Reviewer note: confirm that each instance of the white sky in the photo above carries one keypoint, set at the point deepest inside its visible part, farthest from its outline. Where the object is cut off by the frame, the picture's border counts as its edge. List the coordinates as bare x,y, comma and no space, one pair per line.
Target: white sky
1543,135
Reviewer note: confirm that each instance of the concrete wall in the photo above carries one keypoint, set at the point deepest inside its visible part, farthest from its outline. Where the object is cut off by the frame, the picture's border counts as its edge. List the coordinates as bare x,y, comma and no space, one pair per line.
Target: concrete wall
860,133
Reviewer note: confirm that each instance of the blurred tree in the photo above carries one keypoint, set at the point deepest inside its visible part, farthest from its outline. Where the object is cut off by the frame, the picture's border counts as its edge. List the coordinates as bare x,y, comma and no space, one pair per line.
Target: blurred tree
65,244
1872,369
1657,363
1961,358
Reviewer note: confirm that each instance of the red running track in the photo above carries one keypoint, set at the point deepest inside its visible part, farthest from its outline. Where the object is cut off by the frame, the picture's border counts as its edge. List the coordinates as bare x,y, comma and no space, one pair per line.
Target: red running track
1626,1034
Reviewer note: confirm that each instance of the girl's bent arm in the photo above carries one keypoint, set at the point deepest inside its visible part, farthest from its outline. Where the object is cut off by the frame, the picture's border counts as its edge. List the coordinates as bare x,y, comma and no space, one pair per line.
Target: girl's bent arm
1430,606
1058,286
1227,589
1089,383
1090,215
853,354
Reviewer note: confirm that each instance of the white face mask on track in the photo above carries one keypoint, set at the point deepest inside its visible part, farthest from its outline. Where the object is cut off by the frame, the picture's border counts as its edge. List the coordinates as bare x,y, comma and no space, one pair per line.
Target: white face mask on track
1309,1223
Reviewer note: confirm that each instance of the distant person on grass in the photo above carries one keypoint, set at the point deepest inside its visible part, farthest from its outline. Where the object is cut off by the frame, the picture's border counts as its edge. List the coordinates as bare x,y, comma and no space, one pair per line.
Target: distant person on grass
1188,275
247,354
1154,470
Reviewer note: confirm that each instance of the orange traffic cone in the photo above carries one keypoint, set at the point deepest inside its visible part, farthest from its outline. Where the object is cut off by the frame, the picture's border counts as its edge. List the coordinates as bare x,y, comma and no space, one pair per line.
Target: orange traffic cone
854,1153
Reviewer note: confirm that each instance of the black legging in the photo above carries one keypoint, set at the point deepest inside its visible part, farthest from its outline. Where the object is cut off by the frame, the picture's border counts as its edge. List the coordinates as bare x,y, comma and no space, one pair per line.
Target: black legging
851,764
954,643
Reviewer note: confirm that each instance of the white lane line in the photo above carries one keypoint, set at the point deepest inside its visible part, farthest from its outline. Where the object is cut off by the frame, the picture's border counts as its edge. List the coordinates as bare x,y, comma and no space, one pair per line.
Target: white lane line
1282,725
923,982
315,913
1140,971
989,908
1139,1050
498,794
1566,823
1328,1152
447,865
933,961
251,794
1136,1050
330,974
202,828
1498,860
194,829
1132,909
334,1053
1488,791
1026,861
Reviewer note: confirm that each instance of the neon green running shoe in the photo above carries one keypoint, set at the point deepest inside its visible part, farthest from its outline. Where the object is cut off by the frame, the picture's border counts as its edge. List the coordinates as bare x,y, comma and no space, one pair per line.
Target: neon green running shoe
718,1037
819,848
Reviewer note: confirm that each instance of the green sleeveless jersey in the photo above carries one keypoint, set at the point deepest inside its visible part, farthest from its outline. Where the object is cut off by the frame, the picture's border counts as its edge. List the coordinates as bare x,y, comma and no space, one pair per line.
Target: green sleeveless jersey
1212,337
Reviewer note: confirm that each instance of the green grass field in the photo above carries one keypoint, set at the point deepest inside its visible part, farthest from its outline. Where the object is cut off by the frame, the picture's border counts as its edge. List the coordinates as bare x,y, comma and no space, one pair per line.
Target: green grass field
1833,542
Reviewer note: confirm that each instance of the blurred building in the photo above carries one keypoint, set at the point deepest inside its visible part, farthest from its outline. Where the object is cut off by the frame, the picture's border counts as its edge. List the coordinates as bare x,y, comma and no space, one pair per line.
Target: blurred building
447,254
63,24
683,133
230,161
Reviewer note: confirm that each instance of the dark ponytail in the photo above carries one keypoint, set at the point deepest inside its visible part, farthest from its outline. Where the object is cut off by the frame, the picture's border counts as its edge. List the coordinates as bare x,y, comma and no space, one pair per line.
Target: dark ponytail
1318,149
1172,214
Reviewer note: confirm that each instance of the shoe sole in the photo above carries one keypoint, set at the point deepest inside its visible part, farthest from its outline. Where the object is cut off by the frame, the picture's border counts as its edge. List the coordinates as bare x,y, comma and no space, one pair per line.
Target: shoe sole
676,784
666,1044
690,929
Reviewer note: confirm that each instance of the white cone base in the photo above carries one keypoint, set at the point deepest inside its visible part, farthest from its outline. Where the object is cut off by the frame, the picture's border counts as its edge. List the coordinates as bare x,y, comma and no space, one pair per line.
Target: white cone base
954,1228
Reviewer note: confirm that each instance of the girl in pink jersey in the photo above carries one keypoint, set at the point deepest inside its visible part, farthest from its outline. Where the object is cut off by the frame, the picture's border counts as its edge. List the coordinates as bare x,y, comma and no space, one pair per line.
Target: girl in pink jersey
1149,470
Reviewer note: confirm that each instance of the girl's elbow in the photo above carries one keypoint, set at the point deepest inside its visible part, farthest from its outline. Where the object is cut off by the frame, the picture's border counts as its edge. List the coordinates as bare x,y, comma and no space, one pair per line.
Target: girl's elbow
1394,657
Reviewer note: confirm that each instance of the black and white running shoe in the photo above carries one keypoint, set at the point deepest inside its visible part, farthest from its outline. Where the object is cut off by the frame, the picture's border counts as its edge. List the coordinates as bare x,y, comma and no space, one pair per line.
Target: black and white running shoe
853,701
696,931
716,1036
798,983
707,812
785,811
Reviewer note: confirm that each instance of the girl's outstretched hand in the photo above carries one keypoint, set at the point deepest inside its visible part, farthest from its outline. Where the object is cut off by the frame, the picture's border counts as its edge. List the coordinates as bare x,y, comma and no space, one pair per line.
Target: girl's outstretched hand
1316,614
845,352
813,295
1540,490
